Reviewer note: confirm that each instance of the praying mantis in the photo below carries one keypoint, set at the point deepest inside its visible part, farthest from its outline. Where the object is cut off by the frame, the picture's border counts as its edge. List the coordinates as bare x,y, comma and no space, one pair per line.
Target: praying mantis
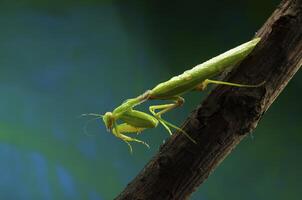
197,78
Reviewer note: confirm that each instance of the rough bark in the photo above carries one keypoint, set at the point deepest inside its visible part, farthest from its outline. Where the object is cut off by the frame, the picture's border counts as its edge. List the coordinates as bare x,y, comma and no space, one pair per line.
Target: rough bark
227,115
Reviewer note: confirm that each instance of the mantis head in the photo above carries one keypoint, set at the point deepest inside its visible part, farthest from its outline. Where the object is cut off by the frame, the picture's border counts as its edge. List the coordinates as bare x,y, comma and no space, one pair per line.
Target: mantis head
108,120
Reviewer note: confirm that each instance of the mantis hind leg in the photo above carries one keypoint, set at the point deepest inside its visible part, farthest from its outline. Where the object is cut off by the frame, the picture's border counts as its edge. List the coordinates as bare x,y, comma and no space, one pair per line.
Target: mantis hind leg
205,83
178,101
126,128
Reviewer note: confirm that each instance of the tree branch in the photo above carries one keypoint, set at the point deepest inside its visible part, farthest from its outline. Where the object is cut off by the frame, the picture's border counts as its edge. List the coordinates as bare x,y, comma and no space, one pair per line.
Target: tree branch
227,115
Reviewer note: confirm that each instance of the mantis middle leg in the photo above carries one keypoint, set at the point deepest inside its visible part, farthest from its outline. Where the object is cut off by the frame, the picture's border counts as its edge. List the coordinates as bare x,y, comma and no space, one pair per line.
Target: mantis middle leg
177,102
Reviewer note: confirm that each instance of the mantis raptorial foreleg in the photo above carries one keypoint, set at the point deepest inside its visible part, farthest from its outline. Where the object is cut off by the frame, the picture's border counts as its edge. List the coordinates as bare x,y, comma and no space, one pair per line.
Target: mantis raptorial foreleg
126,128
135,122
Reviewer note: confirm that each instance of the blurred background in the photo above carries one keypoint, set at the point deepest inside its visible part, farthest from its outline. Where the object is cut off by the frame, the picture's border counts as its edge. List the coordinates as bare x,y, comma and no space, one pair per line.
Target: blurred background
59,59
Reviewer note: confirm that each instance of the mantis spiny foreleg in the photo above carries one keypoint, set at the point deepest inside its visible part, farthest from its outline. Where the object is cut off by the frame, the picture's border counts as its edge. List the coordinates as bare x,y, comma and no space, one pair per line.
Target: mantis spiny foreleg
125,128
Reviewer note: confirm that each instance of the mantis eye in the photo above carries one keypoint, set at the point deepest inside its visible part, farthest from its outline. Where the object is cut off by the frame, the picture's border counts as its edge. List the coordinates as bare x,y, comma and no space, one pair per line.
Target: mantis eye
108,120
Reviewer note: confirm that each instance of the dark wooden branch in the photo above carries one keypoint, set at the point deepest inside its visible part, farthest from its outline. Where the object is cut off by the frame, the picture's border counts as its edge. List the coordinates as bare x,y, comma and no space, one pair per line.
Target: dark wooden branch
227,115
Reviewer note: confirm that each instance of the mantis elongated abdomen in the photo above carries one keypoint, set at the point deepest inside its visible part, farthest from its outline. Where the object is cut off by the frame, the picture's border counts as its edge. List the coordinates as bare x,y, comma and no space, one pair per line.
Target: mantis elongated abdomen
191,78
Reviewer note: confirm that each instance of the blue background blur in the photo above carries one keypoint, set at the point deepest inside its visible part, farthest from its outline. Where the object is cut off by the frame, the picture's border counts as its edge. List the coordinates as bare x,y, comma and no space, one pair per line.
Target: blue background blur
61,59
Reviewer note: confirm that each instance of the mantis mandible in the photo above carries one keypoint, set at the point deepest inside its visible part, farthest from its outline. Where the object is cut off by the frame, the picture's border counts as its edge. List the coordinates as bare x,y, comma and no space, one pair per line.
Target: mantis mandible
197,78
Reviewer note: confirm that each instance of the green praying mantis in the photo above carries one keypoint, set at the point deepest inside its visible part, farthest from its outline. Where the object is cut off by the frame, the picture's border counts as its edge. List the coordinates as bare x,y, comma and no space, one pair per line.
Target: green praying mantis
197,78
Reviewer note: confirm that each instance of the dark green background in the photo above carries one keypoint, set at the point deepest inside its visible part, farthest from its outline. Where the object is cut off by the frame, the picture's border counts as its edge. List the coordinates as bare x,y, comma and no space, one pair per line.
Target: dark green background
59,59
